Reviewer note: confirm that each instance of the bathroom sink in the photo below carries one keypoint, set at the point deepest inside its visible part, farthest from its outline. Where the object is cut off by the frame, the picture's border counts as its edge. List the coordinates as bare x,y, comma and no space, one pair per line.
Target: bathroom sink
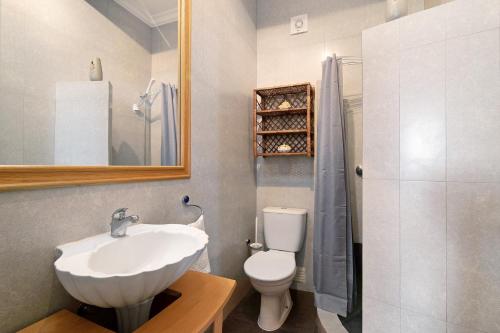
128,271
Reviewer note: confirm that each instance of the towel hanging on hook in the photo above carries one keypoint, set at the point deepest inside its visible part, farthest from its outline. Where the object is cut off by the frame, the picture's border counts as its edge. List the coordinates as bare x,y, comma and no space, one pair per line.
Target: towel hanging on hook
203,263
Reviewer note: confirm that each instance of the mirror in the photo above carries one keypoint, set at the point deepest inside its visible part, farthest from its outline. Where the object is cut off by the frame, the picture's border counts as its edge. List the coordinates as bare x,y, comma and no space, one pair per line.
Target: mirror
90,83
94,91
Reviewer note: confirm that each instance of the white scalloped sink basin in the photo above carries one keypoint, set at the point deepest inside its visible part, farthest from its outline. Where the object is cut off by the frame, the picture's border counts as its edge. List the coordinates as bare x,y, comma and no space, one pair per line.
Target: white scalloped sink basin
119,272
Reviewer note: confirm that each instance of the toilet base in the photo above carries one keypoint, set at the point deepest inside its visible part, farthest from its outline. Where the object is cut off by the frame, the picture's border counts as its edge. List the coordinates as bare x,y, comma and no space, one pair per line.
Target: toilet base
274,310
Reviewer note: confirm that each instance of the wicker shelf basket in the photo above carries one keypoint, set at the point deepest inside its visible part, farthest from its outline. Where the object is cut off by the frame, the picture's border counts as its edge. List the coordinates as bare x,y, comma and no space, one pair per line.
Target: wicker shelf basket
292,126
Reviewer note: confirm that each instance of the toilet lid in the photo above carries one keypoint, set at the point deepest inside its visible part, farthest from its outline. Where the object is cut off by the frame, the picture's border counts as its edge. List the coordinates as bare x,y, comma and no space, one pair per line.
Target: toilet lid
270,265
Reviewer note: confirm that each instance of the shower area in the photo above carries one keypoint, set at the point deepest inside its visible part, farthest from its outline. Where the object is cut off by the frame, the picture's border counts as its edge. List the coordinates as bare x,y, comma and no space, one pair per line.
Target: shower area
339,305
161,142
353,115
430,189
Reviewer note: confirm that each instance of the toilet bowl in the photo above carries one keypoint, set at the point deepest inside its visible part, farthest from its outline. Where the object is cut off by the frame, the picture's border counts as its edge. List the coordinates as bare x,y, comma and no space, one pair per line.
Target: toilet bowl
271,273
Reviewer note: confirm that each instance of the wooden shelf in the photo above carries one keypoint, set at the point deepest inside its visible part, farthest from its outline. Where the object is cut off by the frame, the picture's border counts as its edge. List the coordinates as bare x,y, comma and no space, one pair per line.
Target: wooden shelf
203,297
300,131
274,127
277,112
282,154
62,322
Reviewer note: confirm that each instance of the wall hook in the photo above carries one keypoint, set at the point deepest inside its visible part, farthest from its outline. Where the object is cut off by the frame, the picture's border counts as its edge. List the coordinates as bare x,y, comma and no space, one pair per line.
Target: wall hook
185,201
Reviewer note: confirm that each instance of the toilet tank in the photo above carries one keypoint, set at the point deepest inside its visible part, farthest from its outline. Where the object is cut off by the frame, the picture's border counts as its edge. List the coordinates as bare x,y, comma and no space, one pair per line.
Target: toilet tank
284,228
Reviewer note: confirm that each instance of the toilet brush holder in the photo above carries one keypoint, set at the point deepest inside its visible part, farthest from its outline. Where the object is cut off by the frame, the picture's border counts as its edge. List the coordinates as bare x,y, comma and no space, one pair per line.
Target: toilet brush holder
255,247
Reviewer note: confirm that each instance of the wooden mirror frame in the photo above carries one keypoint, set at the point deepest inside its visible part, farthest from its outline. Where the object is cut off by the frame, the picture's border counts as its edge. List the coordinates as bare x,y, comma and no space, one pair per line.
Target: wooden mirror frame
17,177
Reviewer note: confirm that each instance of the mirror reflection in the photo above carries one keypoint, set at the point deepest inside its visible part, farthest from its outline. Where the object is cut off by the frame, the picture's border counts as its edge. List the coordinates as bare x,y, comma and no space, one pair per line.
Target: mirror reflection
89,82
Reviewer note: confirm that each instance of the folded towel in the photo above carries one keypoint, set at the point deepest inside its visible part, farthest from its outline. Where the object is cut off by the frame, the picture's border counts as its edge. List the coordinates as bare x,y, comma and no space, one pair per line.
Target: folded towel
203,263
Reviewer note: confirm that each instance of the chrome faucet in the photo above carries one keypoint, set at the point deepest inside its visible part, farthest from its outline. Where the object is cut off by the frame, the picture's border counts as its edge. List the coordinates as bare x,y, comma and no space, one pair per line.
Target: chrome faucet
120,222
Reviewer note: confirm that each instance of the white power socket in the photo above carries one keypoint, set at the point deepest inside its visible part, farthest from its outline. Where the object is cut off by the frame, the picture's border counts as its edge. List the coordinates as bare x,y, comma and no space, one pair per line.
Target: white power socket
300,275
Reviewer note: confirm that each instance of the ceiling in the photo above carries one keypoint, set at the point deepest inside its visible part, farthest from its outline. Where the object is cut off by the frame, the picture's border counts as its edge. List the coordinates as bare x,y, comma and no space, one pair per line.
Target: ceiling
152,12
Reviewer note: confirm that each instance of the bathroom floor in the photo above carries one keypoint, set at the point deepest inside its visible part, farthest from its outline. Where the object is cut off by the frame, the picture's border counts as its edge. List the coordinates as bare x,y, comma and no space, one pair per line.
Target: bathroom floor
302,318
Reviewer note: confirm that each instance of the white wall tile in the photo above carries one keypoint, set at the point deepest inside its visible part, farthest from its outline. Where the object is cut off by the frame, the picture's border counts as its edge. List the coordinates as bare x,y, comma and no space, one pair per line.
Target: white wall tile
381,40
473,245
423,247
381,117
472,103
273,68
379,317
412,322
273,37
422,28
466,17
381,278
422,113
381,150
349,46
352,79
302,70
449,235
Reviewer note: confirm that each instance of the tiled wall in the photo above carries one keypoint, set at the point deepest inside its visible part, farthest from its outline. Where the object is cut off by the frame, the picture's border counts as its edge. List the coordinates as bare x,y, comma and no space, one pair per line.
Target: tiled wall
431,215
334,26
223,182
43,42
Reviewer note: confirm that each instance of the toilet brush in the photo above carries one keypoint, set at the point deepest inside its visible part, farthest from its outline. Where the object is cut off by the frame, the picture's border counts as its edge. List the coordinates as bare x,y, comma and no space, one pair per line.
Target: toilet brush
256,246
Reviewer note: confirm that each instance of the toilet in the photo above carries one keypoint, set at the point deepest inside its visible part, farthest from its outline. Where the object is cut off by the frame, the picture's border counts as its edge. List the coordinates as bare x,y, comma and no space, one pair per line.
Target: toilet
271,272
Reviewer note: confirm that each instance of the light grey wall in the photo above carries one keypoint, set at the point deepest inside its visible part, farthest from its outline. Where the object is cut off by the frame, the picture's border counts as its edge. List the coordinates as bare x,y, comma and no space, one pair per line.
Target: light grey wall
431,189
223,180
43,42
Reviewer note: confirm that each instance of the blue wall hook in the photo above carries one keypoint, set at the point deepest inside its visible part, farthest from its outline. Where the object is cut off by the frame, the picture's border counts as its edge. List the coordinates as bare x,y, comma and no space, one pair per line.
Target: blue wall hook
185,201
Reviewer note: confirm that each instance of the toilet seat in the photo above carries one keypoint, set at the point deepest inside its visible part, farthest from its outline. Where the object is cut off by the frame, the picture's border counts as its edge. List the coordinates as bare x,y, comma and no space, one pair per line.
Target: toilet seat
271,265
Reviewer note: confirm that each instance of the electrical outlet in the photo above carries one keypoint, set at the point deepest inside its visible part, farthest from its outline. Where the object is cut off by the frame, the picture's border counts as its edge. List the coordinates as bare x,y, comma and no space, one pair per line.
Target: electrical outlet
300,275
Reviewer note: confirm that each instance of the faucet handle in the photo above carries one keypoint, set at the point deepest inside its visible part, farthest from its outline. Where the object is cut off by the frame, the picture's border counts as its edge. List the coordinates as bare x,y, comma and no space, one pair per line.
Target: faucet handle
119,213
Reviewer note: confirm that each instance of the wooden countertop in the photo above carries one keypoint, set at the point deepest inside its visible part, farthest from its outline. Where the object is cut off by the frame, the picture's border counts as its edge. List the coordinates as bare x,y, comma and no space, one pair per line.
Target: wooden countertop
203,297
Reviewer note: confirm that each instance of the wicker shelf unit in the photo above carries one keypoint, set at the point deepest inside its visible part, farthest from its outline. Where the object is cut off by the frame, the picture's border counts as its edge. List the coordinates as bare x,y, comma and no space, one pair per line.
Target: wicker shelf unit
293,126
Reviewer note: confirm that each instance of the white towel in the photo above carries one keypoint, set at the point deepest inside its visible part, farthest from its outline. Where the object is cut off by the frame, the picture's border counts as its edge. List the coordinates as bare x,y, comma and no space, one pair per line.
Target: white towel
203,263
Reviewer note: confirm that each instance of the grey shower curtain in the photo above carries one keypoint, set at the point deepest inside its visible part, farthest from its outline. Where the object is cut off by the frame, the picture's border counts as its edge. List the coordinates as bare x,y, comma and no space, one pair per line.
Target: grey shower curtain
168,125
333,246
